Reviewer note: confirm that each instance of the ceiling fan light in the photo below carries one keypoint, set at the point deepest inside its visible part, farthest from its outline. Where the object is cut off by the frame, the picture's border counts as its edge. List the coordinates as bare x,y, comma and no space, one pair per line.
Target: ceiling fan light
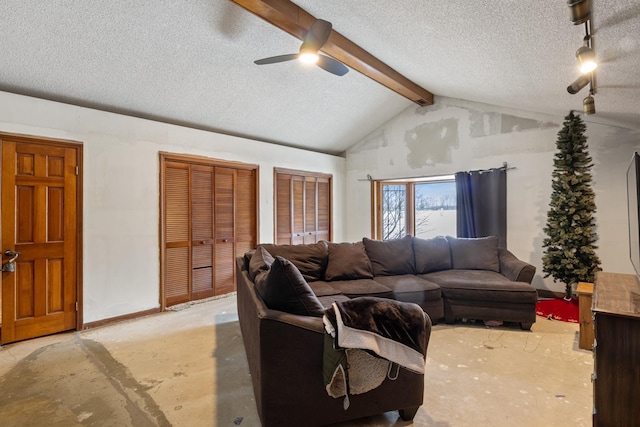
308,56
586,59
579,10
589,105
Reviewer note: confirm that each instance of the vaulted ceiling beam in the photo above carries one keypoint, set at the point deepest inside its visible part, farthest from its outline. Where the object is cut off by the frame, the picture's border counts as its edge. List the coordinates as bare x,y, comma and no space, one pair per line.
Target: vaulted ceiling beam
296,21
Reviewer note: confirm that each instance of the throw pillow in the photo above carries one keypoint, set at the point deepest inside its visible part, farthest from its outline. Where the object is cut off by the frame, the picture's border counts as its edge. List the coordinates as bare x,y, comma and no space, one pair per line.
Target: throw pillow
348,261
475,254
431,254
390,257
310,259
260,262
283,288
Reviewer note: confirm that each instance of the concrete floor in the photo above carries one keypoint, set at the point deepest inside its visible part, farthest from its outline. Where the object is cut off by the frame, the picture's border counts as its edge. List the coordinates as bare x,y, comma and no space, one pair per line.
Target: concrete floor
188,368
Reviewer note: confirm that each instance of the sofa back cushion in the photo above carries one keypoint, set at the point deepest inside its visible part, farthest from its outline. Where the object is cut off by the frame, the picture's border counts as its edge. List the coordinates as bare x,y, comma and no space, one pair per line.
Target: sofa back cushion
310,259
390,257
475,254
348,261
260,262
431,254
283,288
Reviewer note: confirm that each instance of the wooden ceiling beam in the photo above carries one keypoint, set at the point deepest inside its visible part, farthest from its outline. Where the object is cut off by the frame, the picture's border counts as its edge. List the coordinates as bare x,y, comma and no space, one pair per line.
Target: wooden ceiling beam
296,21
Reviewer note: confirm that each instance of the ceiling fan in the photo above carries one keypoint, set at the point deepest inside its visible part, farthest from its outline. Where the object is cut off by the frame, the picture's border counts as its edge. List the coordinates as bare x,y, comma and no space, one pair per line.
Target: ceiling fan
313,41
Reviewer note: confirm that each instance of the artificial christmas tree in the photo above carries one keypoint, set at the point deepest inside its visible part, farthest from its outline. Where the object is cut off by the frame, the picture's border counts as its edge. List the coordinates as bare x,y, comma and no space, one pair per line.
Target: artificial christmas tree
569,254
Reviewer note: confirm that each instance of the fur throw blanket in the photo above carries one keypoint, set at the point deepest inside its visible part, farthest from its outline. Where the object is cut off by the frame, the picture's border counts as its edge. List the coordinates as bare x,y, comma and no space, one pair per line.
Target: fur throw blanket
363,336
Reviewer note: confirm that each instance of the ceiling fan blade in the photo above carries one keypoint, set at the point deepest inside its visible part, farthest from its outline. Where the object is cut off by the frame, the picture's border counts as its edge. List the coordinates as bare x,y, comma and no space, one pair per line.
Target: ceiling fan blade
317,35
331,65
276,59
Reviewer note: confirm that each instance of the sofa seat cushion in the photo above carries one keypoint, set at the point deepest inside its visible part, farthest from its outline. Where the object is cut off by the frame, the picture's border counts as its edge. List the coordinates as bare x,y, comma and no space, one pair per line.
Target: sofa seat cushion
410,288
323,289
361,288
480,285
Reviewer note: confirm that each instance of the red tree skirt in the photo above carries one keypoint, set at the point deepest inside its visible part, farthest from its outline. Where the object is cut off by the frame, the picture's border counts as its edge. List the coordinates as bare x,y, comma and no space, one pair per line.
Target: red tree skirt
559,309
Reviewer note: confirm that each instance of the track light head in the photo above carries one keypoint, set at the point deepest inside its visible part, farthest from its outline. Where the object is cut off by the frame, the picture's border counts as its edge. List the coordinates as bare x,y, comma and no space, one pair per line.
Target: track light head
579,83
586,59
579,10
589,105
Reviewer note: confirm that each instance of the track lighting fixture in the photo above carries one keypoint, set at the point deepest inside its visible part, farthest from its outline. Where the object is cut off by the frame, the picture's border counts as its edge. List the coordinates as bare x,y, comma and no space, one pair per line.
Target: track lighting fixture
580,83
586,59
580,11
589,105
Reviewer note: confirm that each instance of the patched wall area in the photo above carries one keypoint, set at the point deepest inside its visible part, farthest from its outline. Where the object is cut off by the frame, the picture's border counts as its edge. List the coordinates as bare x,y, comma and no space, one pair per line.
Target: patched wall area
455,135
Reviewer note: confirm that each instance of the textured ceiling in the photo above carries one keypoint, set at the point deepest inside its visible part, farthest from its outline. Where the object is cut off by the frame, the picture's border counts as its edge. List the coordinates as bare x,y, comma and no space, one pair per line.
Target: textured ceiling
191,62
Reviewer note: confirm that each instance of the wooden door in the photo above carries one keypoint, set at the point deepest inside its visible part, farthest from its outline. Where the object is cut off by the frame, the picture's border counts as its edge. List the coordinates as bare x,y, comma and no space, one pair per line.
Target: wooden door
39,221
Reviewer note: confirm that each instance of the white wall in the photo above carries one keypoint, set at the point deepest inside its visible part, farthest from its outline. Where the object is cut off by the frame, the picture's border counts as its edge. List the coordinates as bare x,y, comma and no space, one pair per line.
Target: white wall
121,190
455,135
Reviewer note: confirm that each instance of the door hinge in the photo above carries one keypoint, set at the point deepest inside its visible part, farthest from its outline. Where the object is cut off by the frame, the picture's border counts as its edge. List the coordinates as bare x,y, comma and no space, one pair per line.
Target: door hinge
76,305
77,170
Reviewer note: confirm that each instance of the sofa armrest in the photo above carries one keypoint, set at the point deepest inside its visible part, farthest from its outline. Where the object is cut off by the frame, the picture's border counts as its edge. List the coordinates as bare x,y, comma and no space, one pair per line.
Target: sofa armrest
515,269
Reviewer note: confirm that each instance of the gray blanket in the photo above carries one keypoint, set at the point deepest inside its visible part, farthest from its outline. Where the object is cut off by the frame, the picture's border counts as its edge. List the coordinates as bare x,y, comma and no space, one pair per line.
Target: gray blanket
365,335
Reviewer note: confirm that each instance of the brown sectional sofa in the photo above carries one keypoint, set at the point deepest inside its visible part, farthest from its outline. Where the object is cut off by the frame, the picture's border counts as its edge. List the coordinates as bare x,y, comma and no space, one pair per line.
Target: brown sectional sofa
450,278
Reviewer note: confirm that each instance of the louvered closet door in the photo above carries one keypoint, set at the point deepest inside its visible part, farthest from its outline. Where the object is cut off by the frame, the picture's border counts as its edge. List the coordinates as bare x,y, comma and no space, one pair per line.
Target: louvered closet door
310,207
210,217
303,207
323,223
283,209
202,238
177,263
298,222
246,211
224,230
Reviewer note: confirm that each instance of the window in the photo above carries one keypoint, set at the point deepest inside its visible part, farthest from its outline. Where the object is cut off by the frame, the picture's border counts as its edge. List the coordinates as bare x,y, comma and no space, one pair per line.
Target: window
421,207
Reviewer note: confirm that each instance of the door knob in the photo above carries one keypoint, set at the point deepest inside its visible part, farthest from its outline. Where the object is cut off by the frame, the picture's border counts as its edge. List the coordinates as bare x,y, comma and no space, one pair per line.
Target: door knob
9,266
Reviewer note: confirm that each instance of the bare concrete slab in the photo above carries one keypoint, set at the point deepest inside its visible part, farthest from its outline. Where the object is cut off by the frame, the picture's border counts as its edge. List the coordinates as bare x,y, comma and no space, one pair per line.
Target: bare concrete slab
188,368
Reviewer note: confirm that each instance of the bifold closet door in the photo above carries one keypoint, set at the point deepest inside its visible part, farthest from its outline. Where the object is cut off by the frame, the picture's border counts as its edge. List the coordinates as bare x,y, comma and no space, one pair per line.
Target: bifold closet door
210,217
188,232
177,221
303,207
246,218
224,230
323,210
202,232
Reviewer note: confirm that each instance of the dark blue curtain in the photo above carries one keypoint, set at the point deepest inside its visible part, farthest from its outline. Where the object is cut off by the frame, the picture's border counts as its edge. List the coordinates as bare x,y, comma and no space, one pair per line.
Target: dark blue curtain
482,204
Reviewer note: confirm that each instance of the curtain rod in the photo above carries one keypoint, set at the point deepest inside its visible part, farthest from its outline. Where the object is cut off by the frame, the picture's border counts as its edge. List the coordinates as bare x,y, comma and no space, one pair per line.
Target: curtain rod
434,177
